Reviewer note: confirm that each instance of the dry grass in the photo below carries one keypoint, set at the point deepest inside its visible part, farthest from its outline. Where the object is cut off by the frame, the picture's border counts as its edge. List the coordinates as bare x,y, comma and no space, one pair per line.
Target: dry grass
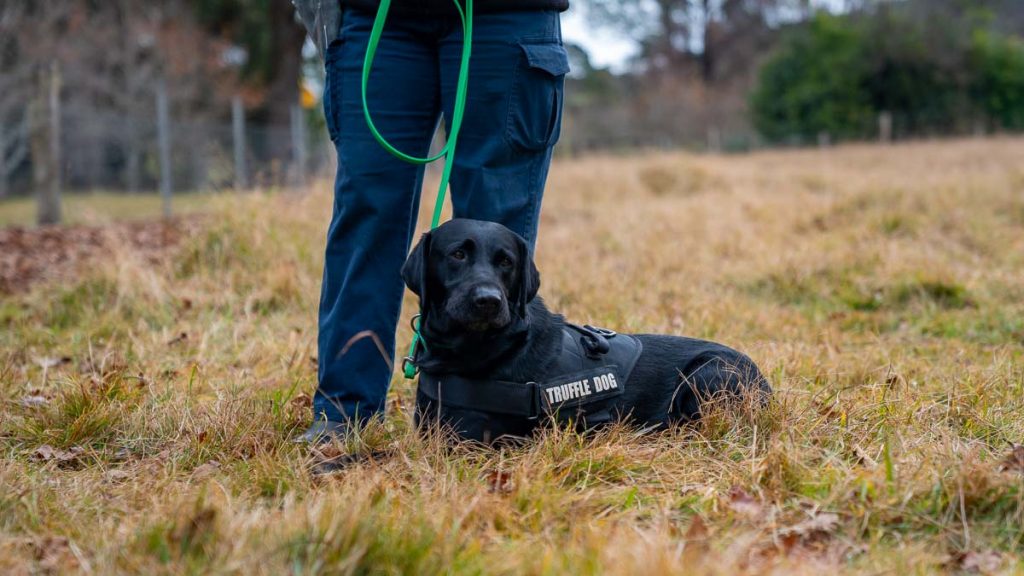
882,290
101,207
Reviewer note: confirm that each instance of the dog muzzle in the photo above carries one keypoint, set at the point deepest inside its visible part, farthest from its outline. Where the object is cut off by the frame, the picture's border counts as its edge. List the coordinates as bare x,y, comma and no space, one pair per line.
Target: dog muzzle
586,380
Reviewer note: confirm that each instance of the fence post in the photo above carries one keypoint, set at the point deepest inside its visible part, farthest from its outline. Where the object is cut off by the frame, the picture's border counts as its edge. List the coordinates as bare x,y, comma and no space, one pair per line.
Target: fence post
714,139
163,128
199,147
299,144
49,194
238,141
885,127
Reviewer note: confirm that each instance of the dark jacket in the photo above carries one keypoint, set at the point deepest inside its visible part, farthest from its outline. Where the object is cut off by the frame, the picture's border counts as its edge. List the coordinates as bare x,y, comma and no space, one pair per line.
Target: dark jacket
446,7
323,17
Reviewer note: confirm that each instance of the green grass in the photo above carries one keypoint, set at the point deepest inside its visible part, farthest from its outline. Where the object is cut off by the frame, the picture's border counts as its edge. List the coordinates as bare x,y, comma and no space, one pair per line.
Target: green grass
147,409
102,207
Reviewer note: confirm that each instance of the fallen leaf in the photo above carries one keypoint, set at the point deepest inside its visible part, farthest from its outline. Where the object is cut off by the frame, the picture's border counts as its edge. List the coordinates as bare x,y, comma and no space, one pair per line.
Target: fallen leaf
117,475
206,470
60,253
816,526
696,540
34,401
743,503
986,562
698,530
499,481
863,457
46,362
47,453
892,379
198,525
788,542
303,400
43,453
53,552
1014,461
829,411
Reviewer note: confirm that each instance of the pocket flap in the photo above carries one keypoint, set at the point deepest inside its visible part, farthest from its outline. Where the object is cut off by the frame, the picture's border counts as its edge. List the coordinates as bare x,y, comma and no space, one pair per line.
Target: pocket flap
551,58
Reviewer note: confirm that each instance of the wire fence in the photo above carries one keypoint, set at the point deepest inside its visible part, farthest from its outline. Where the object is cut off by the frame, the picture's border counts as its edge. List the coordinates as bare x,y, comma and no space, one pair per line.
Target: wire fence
49,147
59,148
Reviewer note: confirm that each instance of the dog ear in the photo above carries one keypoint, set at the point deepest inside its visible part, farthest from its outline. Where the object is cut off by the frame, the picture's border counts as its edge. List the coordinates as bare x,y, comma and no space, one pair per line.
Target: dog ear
414,272
529,277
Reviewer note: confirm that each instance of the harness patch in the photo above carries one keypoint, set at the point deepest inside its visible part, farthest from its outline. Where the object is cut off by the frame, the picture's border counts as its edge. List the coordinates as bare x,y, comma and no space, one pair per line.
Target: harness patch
581,388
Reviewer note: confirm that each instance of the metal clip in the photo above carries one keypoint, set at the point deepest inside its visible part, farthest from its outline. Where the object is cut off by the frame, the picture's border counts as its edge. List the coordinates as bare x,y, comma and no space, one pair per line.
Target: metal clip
409,367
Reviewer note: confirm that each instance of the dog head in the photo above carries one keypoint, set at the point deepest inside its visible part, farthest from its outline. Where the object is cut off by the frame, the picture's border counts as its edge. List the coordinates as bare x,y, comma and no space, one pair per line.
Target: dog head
475,275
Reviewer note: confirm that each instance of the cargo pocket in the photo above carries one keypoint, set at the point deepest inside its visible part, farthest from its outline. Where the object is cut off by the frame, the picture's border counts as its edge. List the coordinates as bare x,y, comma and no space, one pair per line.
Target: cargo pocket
332,90
535,106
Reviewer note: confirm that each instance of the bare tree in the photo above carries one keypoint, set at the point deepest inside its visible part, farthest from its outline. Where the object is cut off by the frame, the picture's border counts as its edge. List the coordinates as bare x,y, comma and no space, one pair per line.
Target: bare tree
112,54
30,95
715,38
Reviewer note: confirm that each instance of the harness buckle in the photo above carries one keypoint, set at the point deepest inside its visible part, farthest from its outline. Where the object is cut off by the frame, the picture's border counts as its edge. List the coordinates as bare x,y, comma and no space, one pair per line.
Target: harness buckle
602,331
535,404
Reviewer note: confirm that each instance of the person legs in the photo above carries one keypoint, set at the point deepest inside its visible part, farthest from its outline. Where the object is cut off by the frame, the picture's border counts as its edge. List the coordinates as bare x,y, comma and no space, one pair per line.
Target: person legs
375,201
513,115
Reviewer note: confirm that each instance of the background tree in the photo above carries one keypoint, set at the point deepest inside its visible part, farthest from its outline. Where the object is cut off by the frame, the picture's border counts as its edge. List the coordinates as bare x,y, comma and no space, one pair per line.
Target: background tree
939,68
272,40
719,39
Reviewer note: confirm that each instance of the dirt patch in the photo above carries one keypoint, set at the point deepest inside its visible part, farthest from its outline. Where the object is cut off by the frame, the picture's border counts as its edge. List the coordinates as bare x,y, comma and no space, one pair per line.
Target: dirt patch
32,255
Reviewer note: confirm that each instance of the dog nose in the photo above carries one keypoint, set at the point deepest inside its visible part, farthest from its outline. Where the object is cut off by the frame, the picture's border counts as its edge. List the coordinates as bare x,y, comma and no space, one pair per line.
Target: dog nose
486,298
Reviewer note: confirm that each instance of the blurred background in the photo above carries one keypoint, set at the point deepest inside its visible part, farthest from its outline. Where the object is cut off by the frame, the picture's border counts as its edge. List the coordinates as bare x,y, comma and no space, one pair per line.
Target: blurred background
168,99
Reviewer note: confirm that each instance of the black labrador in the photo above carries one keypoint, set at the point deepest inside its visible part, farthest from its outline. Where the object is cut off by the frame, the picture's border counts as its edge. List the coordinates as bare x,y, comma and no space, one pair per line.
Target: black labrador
481,321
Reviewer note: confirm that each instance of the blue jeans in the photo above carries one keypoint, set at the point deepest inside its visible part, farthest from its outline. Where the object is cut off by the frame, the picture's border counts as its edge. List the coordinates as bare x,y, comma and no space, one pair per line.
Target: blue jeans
512,120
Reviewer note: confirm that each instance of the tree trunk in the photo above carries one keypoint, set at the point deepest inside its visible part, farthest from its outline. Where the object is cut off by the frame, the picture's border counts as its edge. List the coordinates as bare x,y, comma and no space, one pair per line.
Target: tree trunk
707,59
286,40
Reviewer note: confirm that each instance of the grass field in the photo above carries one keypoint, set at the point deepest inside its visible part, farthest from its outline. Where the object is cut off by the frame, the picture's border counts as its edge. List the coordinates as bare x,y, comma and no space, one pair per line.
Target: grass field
101,207
147,410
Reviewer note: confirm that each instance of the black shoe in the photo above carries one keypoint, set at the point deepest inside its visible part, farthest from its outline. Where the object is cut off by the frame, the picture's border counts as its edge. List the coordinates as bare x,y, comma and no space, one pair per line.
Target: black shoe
343,461
322,432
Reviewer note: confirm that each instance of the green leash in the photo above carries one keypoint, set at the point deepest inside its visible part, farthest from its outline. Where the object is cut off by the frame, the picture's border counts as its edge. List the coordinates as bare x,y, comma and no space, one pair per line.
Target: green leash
448,152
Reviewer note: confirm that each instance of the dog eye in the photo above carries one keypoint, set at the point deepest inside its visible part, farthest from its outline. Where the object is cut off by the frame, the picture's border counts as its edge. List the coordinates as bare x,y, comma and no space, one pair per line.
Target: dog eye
505,262
459,254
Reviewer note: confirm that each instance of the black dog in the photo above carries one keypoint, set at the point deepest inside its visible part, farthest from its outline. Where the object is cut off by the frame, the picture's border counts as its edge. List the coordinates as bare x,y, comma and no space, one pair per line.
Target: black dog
497,362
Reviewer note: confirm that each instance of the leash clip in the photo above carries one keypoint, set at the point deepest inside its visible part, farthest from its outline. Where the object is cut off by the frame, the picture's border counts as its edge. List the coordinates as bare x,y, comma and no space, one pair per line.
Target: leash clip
409,367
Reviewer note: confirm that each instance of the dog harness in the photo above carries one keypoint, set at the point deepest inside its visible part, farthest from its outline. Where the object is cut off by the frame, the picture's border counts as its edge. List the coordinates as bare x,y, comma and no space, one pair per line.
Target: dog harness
586,378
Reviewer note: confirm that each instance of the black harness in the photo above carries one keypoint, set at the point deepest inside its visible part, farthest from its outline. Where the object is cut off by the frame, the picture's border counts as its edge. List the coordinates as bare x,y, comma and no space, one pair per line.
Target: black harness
586,378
